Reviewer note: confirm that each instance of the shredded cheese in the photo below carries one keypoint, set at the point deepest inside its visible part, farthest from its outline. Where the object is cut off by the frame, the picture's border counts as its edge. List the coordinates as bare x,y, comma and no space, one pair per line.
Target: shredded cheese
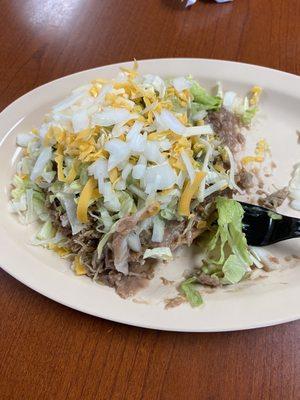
59,159
79,268
188,193
61,251
255,95
72,173
84,199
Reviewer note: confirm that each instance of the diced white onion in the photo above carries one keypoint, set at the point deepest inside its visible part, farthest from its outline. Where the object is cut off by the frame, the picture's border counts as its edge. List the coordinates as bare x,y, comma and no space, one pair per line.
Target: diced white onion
24,138
42,160
126,171
164,145
66,103
135,140
164,172
199,115
167,120
215,188
138,171
111,116
188,165
181,84
120,185
119,152
118,129
156,82
99,169
152,152
80,121
228,101
198,130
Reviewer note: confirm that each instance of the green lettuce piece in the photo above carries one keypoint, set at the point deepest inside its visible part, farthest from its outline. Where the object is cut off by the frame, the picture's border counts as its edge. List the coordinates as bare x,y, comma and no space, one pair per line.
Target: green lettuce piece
46,232
127,204
38,203
170,212
192,295
159,253
20,187
34,199
105,238
233,270
229,240
248,115
106,219
204,99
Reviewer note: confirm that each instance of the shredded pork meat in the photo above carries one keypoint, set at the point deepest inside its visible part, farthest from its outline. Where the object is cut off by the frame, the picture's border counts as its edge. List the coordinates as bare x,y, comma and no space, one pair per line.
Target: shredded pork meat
275,199
228,127
116,255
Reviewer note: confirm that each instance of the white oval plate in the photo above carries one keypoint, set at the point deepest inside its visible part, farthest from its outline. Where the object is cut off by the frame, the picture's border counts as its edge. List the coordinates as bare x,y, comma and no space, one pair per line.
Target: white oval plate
264,302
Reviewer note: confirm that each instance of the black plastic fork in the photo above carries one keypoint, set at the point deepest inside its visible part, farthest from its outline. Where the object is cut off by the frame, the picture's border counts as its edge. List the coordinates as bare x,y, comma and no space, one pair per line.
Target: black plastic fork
263,226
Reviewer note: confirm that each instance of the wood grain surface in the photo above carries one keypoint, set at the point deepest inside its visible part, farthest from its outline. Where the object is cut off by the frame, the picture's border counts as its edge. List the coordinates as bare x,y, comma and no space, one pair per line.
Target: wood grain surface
48,351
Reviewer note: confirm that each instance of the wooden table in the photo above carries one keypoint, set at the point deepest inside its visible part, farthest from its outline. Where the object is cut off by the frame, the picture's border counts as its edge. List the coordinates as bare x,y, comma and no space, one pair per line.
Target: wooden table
48,351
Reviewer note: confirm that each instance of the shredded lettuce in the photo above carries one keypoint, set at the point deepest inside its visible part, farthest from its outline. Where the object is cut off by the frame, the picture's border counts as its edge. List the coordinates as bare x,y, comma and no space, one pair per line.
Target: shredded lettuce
106,219
68,202
46,232
158,229
159,253
248,115
42,160
233,270
105,238
192,295
127,204
204,99
228,247
170,212
28,200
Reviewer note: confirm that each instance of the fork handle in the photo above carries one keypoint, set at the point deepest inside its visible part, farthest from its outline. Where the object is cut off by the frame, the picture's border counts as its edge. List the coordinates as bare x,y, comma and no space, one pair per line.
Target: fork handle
285,228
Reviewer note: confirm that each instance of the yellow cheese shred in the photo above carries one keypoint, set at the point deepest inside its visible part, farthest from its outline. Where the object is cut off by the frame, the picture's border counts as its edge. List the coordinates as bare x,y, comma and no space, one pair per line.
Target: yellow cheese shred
94,91
255,95
59,159
84,199
61,251
79,268
249,159
72,173
188,193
